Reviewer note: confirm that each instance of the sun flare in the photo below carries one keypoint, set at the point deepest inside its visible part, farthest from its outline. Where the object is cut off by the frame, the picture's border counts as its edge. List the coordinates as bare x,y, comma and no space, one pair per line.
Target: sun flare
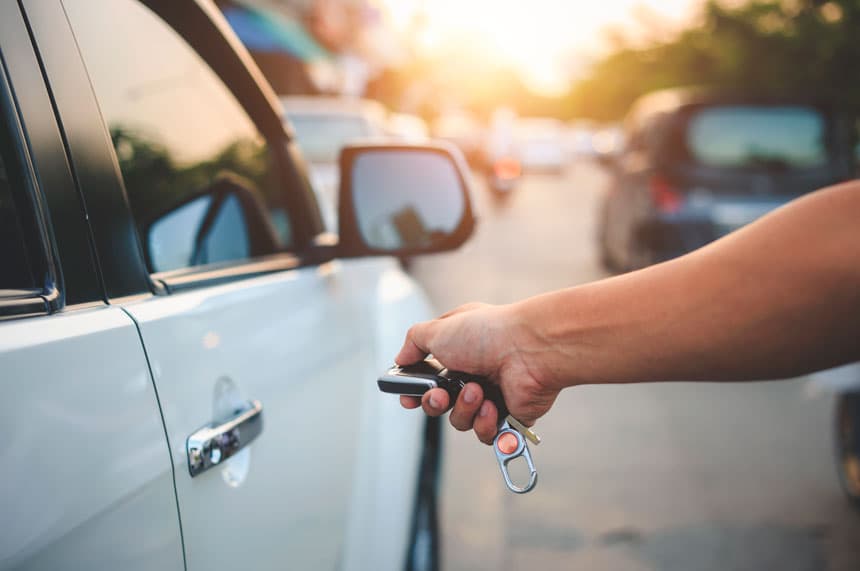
547,41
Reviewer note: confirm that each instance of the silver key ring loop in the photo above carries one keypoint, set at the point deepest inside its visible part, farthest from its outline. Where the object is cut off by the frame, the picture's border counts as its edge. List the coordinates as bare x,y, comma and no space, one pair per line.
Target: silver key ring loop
504,458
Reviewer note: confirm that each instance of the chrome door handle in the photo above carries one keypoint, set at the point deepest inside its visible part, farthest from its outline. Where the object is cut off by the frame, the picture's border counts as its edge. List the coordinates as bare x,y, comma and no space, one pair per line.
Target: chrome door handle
214,443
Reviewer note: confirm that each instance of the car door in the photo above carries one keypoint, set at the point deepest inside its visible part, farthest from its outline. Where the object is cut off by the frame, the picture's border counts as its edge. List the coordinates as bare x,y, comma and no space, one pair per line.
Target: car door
87,479
234,320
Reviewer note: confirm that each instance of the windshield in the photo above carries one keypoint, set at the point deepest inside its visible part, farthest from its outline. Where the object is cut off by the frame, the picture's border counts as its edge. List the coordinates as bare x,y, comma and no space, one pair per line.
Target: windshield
322,136
781,137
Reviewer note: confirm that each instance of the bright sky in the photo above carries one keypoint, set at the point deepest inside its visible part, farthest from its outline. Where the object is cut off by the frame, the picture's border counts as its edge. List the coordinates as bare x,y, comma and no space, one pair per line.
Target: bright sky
546,40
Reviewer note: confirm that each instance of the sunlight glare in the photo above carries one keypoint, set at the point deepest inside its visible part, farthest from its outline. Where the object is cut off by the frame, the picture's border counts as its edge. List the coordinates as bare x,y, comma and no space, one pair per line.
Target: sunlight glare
543,39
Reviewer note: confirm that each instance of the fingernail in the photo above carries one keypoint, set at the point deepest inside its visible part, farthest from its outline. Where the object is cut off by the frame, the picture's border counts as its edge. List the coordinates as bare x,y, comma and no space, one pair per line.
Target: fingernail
470,396
434,401
485,409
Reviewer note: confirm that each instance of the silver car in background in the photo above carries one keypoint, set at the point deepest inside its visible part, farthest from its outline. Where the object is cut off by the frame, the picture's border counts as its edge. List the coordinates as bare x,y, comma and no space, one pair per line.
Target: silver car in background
324,125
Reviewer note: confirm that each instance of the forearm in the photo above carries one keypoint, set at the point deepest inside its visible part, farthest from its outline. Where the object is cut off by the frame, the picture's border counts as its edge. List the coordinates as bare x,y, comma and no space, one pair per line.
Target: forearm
779,298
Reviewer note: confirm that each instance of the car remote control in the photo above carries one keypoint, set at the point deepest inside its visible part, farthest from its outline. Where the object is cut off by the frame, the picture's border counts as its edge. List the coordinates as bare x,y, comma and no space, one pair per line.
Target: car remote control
509,443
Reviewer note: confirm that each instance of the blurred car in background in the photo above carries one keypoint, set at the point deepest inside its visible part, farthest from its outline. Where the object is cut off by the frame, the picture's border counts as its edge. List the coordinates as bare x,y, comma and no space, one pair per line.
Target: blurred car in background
407,127
579,139
323,126
608,141
540,144
463,129
697,165
501,157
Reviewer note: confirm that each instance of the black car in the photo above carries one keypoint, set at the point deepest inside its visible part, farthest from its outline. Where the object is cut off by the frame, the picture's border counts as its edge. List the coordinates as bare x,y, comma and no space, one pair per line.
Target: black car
698,164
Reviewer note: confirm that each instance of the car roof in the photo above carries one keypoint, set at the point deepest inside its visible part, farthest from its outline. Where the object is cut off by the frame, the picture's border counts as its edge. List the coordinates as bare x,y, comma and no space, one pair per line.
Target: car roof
332,105
670,100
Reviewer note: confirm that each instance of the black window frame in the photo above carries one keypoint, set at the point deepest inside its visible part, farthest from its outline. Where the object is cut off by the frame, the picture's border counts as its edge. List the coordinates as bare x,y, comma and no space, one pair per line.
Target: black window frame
118,246
29,201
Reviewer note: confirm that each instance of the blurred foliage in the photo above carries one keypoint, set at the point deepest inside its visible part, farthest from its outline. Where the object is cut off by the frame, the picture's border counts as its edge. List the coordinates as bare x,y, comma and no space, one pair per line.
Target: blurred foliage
805,48
429,87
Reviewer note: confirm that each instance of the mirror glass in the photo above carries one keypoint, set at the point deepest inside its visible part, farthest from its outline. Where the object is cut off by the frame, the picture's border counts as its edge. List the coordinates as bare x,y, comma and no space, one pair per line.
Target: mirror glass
406,198
206,230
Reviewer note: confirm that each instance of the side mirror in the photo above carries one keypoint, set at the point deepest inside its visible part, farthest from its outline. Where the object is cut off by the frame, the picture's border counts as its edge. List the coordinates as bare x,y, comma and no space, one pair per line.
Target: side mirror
403,200
225,221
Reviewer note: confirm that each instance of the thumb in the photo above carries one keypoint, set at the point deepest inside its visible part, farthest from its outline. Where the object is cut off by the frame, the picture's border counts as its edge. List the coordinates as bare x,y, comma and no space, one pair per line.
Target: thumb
416,345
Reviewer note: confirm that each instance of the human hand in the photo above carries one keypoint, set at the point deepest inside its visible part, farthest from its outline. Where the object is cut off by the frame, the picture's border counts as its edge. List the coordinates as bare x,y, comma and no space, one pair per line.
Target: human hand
484,340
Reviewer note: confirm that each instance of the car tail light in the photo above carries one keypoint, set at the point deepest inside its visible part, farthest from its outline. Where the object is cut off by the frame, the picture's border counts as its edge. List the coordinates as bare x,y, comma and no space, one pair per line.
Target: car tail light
507,169
664,194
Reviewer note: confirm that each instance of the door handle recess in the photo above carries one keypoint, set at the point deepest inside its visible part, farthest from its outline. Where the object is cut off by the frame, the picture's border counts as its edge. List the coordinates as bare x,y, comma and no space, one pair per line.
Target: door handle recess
214,443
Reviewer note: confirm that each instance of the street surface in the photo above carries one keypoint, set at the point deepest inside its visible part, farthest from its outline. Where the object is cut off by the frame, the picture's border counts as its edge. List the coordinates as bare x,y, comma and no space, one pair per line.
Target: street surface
661,477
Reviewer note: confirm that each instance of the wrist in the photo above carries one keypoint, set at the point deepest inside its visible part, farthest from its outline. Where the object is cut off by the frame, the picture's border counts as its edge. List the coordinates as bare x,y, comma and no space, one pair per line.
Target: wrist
533,335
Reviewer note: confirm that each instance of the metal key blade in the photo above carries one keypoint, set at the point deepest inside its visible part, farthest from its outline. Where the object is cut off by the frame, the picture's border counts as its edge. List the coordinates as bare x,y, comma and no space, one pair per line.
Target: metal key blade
523,429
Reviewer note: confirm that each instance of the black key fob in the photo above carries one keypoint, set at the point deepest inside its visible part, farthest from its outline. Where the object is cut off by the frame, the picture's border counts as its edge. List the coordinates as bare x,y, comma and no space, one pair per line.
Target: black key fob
509,443
415,380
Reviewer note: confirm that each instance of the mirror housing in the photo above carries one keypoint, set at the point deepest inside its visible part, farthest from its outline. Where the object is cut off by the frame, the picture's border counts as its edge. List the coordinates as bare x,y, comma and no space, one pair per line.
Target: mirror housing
403,199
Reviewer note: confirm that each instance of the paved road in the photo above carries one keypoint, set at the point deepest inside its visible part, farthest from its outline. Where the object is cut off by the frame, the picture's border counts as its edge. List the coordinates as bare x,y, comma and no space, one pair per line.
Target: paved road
663,477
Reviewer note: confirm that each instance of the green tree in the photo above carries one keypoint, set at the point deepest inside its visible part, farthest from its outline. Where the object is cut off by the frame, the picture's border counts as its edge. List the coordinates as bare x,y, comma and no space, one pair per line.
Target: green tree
806,48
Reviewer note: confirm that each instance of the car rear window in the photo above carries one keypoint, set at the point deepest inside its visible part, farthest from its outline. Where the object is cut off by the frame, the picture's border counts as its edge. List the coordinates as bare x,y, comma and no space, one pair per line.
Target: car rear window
775,137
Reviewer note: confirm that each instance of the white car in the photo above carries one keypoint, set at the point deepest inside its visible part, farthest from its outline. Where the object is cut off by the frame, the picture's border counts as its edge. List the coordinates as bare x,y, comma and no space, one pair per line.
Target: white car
323,126
540,144
407,127
189,368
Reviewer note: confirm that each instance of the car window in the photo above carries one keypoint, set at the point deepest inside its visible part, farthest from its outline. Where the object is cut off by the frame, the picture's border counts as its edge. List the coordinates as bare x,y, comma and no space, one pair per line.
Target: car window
178,132
17,268
779,137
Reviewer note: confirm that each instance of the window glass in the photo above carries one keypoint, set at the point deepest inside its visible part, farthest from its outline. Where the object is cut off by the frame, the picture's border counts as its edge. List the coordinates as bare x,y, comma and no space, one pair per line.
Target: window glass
207,230
177,131
780,137
17,270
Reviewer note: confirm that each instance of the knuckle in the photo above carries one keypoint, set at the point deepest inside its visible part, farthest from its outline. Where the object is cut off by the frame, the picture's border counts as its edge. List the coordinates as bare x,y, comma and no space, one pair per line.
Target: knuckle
413,331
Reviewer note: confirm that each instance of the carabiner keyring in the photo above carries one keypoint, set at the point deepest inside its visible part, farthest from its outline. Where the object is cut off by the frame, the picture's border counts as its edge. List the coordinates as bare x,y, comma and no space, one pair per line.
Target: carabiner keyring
508,445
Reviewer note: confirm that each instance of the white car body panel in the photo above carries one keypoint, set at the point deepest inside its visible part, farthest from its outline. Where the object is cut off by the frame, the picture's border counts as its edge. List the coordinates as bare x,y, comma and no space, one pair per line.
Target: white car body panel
331,480
392,437
835,380
87,478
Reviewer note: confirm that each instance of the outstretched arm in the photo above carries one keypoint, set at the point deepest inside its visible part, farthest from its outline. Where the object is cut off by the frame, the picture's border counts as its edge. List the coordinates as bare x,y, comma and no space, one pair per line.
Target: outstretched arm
778,298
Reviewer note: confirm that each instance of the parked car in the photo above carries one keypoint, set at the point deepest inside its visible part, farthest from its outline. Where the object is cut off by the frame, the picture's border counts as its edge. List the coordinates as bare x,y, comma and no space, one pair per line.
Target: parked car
503,167
189,369
608,141
699,164
540,144
323,126
407,127
462,128
579,139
